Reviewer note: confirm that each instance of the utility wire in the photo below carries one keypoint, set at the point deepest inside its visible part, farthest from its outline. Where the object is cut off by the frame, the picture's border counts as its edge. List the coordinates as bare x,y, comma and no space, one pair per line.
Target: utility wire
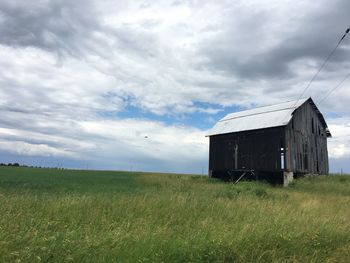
322,66
335,87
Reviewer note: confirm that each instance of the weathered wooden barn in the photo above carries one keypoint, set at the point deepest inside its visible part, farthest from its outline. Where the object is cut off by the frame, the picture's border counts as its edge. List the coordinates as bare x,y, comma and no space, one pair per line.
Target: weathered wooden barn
273,143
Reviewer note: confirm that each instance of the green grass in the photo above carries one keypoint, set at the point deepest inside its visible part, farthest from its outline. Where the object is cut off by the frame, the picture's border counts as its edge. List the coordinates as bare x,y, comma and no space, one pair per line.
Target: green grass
49,215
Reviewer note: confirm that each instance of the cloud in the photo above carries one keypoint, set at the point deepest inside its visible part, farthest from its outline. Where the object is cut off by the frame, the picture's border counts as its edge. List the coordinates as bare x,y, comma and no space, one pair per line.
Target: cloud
24,148
31,82
69,69
265,47
58,26
339,144
113,143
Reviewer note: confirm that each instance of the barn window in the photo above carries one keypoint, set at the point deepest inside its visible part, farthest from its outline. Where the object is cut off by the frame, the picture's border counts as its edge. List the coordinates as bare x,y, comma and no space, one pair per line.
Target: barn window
292,123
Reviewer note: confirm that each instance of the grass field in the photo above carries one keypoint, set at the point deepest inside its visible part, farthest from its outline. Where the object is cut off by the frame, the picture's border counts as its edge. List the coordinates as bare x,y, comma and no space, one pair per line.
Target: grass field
49,215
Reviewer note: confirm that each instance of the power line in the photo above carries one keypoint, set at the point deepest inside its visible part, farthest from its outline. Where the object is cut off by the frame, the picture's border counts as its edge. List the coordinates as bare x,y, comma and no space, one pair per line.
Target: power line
322,66
335,87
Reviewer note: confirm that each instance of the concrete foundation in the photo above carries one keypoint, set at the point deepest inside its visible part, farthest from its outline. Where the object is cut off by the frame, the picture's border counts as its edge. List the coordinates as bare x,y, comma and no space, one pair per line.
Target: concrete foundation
287,178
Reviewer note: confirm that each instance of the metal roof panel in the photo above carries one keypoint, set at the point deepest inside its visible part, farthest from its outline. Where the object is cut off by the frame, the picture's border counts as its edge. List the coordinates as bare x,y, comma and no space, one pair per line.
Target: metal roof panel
257,118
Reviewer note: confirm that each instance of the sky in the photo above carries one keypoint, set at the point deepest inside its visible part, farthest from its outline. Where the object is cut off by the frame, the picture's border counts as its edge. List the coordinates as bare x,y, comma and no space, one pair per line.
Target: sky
136,85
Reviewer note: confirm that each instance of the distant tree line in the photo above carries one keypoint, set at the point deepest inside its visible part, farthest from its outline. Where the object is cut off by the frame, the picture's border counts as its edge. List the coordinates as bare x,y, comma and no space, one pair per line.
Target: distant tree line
23,165
14,165
11,164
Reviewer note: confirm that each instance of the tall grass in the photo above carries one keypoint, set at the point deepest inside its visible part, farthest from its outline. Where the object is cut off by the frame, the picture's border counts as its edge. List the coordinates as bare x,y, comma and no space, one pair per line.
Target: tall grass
49,215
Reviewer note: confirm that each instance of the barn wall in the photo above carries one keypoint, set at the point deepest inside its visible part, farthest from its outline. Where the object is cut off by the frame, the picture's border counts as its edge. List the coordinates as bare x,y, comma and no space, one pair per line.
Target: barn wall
258,150
306,143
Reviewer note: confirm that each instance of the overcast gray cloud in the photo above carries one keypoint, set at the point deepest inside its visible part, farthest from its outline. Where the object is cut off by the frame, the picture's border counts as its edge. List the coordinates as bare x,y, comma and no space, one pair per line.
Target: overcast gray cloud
69,70
57,26
277,36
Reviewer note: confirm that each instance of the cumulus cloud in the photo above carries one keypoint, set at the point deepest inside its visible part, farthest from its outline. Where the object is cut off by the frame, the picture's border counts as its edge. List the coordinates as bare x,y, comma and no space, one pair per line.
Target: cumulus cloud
69,69
24,148
128,142
339,145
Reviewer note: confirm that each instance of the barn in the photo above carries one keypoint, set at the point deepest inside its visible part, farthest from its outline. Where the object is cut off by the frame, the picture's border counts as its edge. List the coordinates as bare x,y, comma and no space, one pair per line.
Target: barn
275,143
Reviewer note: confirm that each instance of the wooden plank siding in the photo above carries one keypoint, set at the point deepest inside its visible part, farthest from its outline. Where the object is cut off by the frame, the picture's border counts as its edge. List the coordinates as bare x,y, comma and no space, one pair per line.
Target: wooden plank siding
306,143
256,150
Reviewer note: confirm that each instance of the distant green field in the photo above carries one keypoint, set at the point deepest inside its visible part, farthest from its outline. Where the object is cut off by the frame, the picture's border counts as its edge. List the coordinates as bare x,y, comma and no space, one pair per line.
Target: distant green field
49,215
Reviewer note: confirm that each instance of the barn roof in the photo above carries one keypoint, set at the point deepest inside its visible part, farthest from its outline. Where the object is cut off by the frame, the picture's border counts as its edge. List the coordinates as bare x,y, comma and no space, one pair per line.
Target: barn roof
262,117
